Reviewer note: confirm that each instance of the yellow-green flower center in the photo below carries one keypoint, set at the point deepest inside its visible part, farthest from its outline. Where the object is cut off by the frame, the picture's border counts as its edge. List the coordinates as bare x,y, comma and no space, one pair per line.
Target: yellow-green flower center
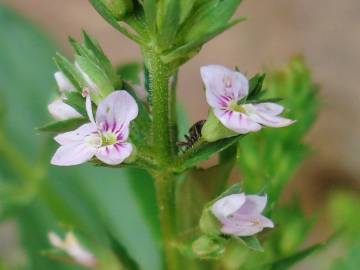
234,106
108,138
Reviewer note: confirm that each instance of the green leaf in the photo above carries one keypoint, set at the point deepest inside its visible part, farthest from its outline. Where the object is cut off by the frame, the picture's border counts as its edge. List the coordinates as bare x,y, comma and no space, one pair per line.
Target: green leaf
208,17
186,7
251,242
203,151
97,75
150,9
63,126
130,72
194,45
168,21
102,59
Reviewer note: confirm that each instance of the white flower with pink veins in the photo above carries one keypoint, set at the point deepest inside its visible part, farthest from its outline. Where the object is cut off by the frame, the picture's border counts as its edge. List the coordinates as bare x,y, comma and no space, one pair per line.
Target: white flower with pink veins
104,137
225,91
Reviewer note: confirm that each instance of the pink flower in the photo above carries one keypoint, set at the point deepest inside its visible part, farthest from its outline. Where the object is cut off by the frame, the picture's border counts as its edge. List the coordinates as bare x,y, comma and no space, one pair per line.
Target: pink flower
58,108
104,137
240,214
225,88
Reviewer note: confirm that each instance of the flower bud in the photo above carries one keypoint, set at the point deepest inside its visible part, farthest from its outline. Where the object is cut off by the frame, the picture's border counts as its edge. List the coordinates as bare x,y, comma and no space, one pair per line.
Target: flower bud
119,8
213,130
208,246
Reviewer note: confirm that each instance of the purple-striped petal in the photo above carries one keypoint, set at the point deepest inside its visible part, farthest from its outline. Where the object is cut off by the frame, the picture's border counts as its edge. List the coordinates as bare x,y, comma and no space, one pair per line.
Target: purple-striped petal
116,111
114,154
236,121
222,83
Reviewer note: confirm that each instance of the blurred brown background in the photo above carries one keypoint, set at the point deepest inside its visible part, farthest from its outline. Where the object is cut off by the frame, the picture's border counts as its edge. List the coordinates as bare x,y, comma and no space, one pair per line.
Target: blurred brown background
326,32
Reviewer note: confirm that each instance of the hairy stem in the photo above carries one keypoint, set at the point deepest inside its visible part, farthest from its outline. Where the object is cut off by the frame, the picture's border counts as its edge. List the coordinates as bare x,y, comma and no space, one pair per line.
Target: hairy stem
159,76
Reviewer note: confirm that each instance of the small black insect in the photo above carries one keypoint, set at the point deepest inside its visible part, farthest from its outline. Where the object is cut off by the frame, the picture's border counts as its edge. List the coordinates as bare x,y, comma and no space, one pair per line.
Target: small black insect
193,136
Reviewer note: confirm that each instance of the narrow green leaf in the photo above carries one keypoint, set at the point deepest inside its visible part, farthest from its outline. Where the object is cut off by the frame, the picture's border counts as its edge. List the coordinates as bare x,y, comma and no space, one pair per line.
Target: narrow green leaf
186,7
130,72
203,151
211,15
251,242
194,45
102,59
168,21
150,10
63,126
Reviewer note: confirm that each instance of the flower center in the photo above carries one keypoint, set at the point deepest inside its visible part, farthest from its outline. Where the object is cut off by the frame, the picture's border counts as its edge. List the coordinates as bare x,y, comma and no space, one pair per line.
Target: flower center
234,106
93,140
108,138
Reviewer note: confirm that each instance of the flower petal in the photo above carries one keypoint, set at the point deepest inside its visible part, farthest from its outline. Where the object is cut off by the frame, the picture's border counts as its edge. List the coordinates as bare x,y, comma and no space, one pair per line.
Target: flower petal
116,110
269,108
246,225
114,154
73,154
236,121
63,82
76,136
253,205
62,111
223,83
228,205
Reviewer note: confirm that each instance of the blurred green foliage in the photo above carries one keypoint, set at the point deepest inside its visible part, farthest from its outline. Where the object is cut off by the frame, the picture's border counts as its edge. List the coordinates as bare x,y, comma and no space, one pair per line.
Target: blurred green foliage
91,201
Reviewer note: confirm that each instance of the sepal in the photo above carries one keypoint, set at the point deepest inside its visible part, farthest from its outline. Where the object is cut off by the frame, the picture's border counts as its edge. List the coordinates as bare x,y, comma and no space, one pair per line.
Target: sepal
213,130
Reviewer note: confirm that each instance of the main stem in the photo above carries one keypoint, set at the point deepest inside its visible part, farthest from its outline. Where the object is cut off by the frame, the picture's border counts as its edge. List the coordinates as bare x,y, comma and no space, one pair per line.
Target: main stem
160,74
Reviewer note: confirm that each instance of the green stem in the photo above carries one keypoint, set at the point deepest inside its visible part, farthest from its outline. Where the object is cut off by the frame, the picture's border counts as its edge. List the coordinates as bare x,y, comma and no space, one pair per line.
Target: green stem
159,76
165,191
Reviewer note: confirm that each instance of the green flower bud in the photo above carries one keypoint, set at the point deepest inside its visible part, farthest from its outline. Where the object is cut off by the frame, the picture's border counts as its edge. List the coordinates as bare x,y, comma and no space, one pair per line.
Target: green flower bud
95,78
208,246
213,130
119,8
